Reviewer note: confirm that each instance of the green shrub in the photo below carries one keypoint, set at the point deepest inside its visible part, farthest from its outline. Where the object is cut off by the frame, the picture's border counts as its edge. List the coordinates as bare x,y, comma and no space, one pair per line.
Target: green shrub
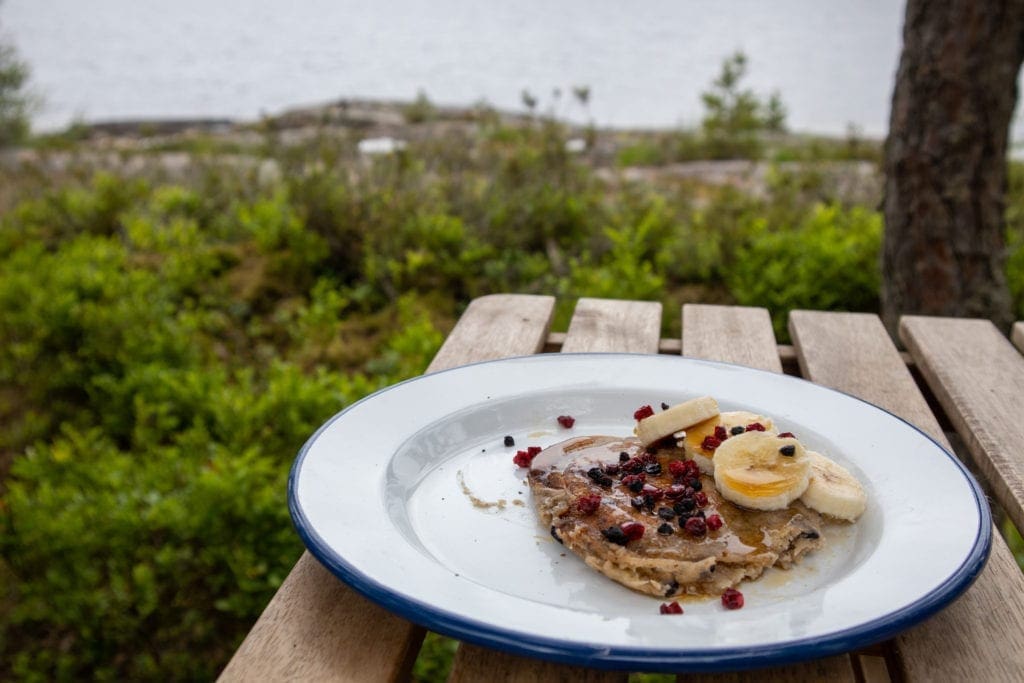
828,262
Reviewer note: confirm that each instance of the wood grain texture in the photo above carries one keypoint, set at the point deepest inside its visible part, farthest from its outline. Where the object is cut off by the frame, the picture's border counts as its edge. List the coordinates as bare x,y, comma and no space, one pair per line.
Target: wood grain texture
614,325
484,330
734,334
596,325
317,628
981,635
978,378
1018,335
744,335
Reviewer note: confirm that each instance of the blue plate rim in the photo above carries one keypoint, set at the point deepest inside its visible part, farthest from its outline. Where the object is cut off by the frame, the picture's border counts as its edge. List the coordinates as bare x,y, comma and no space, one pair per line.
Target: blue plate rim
633,658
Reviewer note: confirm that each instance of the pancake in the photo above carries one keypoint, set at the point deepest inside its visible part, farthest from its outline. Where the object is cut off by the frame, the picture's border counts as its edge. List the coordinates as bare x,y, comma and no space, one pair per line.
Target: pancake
588,491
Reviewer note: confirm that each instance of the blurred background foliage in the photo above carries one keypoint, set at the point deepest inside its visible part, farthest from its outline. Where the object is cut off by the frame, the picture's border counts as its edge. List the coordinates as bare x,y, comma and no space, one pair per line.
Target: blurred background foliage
166,346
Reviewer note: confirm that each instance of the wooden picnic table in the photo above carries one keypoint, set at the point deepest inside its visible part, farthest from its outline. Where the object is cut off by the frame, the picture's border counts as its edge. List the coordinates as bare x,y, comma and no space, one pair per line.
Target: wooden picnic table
960,374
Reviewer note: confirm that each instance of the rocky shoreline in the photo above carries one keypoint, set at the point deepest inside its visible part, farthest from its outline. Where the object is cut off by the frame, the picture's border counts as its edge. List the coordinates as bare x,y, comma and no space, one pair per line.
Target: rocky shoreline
170,148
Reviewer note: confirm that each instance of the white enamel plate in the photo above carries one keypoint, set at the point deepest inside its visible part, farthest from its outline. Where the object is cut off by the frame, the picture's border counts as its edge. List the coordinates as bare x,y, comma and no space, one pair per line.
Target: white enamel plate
411,497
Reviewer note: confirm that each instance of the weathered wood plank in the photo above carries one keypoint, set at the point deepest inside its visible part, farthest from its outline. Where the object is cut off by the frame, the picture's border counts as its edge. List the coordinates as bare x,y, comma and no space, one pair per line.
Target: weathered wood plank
614,325
744,335
1018,335
317,628
596,325
978,378
981,635
734,334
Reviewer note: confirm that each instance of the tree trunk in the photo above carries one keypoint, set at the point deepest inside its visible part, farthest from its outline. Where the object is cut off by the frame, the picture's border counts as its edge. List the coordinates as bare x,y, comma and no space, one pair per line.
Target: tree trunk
945,160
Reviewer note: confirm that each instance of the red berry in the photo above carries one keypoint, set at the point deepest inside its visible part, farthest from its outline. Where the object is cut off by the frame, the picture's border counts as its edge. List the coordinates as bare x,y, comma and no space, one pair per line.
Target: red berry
696,526
522,458
653,491
566,421
786,435
533,450
675,491
732,598
714,522
710,443
633,479
642,412
634,530
720,433
587,505
701,499
755,427
677,468
671,608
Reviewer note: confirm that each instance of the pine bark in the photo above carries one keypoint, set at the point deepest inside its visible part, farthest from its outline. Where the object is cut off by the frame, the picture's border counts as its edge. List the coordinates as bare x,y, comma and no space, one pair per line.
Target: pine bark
945,160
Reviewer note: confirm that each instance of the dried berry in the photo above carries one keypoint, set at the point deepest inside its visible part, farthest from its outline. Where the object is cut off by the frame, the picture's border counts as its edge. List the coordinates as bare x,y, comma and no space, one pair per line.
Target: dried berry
732,599
595,473
615,535
664,406
720,433
666,513
623,456
634,480
642,412
701,499
786,435
695,484
612,468
714,522
652,468
670,608
634,530
588,505
566,421
684,506
755,427
633,465
710,443
533,450
522,458
696,526
788,450
637,502
677,468
509,441
653,491
675,491
738,429
666,529
604,482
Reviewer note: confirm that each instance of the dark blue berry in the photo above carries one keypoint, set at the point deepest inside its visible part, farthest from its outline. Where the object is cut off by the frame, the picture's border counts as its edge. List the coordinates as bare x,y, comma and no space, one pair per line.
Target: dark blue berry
509,441
666,513
652,468
666,529
615,535
738,429
788,450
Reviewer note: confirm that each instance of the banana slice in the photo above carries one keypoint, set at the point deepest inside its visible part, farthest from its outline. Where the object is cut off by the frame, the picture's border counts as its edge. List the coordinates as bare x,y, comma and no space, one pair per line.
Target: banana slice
678,417
762,471
693,442
833,490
